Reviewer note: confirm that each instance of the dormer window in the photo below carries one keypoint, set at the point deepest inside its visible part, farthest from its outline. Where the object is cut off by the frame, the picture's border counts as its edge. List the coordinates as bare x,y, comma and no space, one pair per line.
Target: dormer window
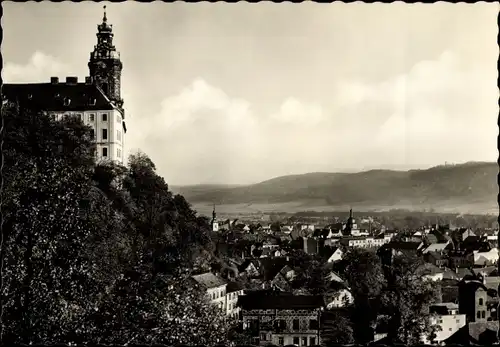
67,101
92,102
30,96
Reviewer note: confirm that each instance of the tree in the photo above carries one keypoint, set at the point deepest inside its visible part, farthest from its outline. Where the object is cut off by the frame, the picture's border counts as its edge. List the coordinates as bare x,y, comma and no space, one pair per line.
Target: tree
48,169
365,278
406,299
154,300
337,329
96,253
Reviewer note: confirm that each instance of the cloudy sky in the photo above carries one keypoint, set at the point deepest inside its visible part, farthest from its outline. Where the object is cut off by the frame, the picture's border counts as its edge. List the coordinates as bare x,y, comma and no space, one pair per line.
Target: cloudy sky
239,93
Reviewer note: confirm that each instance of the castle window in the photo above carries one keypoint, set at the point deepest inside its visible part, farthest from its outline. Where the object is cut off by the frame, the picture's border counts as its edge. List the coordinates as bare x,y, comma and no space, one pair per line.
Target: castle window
281,341
92,117
304,341
478,314
296,341
480,301
483,314
104,117
104,134
296,324
312,341
104,151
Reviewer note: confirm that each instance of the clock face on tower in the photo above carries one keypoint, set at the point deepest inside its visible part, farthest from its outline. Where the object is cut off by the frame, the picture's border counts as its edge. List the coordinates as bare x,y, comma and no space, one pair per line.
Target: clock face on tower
101,67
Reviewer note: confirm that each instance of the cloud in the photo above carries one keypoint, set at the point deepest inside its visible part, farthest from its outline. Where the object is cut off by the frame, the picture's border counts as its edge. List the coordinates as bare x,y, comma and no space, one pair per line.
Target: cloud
438,111
39,68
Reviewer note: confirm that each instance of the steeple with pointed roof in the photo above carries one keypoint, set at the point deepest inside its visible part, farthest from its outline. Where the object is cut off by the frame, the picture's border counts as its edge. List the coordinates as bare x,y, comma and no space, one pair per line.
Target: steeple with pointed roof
214,223
105,65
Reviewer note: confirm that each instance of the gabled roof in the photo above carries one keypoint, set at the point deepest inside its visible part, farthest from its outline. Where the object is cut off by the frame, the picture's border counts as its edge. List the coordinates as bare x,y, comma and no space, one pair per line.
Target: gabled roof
247,263
270,267
411,246
209,280
436,247
234,287
52,97
482,333
271,300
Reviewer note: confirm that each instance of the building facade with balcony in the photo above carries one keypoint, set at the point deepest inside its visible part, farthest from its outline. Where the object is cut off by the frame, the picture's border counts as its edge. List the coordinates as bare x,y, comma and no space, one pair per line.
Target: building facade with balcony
281,318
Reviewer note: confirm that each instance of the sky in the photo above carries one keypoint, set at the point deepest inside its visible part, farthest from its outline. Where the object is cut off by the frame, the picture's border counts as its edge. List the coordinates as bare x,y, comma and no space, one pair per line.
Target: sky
240,93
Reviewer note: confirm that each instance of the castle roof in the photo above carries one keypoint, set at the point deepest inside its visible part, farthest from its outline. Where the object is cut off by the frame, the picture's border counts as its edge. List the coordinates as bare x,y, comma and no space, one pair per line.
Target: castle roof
266,300
58,96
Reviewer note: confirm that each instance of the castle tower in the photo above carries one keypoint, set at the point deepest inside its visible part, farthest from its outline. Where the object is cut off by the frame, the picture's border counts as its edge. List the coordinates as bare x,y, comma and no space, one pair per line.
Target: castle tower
105,66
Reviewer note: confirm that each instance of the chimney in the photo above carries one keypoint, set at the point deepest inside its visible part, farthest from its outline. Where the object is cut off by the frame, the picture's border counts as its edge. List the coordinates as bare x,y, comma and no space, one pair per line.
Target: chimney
54,80
88,80
71,80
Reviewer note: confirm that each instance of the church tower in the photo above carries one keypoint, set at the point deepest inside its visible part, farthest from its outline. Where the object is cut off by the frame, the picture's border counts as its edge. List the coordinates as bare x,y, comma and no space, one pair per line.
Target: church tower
105,66
215,224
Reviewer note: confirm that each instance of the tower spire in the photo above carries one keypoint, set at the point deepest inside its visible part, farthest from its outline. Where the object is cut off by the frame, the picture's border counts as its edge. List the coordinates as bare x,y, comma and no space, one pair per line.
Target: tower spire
104,18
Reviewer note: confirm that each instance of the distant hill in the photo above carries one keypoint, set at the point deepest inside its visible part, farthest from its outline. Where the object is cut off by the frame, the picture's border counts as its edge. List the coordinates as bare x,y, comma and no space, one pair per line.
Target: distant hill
470,187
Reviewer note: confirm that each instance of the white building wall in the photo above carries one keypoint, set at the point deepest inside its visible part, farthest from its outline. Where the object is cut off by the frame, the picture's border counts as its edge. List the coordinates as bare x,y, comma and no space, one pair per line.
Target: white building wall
115,135
217,296
449,324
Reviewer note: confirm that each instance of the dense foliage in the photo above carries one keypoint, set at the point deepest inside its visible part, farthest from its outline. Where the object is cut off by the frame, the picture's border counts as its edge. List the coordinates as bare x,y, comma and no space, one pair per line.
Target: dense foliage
392,298
96,252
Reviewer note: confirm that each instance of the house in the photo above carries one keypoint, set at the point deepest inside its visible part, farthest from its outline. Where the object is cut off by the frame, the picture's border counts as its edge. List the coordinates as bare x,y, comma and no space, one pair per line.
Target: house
233,291
472,300
460,261
489,271
449,290
281,319
276,273
485,258
215,288
357,241
271,243
439,247
308,227
446,316
311,245
475,333
250,267
336,255
436,258
395,248
340,298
